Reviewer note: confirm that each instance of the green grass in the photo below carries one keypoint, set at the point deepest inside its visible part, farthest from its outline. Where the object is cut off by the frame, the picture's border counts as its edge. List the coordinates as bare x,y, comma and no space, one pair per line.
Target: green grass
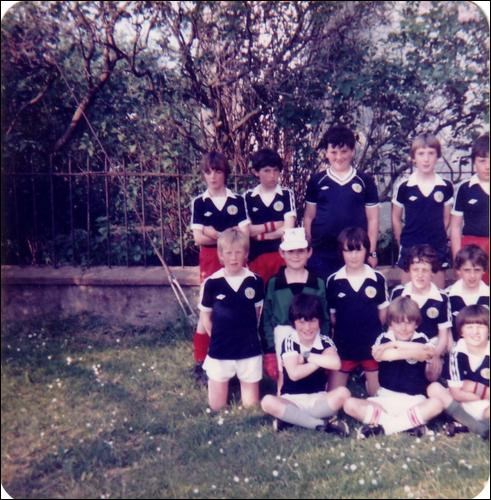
94,410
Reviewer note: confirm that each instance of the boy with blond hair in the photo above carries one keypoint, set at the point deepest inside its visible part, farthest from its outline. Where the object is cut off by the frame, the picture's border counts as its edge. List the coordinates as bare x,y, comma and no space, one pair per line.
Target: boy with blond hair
229,310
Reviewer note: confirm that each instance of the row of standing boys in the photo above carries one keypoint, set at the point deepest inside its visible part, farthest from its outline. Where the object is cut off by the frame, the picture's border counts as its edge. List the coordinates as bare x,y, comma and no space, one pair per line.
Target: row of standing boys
323,309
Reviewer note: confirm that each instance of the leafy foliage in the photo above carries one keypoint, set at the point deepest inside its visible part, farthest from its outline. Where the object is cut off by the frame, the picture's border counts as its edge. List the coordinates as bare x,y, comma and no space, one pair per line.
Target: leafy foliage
155,84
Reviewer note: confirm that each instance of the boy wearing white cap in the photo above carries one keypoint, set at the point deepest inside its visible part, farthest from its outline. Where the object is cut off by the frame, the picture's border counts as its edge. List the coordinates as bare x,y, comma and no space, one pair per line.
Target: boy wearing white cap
290,281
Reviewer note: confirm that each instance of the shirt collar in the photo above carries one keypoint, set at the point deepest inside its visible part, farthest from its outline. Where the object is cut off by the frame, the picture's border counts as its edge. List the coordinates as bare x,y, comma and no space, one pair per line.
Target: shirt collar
391,335
282,283
337,179
228,194
258,191
475,180
316,345
458,289
461,346
434,293
368,273
414,180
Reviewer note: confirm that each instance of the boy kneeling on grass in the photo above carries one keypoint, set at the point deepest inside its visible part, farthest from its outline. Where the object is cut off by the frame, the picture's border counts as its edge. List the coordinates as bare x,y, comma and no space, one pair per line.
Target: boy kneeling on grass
402,354
306,355
229,310
467,397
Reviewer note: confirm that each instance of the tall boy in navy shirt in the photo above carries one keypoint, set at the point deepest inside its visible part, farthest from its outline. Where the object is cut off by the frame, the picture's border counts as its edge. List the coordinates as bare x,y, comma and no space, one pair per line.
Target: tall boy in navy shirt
212,212
271,210
425,199
338,197
230,308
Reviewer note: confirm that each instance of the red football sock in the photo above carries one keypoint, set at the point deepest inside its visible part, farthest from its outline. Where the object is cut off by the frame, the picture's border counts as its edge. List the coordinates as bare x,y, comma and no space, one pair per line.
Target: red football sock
200,343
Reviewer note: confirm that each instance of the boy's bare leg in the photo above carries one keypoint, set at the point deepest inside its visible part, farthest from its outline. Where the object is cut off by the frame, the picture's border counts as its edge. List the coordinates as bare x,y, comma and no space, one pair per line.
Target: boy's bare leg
358,408
217,394
249,393
372,382
337,379
434,369
336,398
429,408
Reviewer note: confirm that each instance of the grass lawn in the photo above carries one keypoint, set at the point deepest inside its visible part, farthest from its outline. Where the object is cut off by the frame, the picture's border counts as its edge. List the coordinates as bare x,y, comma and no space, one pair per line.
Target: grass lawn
94,410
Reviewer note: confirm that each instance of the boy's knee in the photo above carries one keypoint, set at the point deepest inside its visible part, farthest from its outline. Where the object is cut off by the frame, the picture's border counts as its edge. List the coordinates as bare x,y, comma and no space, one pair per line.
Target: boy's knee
342,393
435,390
350,405
267,403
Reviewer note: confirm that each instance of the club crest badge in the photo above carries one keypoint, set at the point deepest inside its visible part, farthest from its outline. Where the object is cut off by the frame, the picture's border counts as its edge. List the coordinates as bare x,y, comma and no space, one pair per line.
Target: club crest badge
485,373
438,196
278,206
370,292
232,210
356,187
249,292
432,313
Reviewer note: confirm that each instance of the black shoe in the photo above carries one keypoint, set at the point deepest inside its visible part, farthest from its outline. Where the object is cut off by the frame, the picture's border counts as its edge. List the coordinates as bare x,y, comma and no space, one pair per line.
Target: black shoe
419,431
280,425
199,374
452,428
366,431
333,425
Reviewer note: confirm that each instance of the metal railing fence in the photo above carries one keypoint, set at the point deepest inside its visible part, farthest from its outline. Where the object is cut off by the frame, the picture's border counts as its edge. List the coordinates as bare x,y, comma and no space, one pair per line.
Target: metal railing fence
84,212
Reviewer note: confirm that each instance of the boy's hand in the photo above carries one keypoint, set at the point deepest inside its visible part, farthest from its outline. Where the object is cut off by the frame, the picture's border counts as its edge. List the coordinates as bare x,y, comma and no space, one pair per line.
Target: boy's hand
270,365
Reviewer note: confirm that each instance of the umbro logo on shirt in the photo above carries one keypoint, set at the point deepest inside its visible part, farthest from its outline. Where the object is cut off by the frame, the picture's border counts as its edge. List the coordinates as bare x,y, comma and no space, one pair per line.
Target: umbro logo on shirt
323,188
207,214
255,209
341,295
472,202
221,296
413,198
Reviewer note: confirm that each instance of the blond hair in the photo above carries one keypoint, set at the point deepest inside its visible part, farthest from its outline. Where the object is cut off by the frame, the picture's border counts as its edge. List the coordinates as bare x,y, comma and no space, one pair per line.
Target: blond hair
230,236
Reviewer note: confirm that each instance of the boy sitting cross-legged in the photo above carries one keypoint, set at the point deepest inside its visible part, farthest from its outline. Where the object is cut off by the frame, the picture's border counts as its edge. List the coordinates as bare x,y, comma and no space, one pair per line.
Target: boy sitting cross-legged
467,396
306,355
402,353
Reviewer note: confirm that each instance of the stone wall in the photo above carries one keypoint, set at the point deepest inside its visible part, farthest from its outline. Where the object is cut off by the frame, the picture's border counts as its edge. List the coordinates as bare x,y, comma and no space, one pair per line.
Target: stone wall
134,295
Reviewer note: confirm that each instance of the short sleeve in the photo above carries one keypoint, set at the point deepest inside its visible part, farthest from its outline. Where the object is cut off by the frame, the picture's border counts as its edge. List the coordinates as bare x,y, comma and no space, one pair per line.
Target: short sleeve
206,303
448,194
312,190
459,202
197,215
399,196
371,194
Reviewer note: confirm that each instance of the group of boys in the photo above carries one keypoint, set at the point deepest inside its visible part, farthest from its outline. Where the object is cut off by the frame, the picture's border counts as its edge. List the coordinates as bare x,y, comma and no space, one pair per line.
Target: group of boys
321,306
